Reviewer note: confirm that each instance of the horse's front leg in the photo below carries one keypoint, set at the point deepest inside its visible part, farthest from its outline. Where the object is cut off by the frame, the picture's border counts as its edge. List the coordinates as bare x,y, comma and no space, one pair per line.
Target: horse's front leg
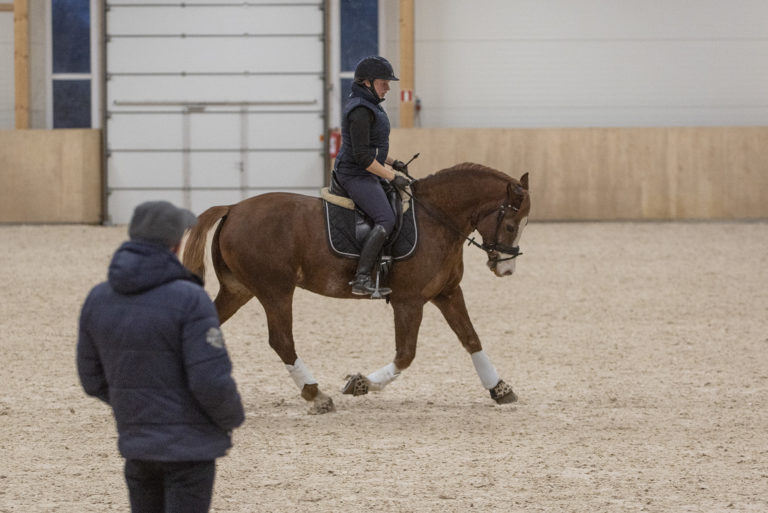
407,321
452,306
279,322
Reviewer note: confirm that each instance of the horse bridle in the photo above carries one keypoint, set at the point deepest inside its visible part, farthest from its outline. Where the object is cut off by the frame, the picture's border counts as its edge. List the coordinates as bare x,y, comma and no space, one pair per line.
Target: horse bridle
494,248
491,249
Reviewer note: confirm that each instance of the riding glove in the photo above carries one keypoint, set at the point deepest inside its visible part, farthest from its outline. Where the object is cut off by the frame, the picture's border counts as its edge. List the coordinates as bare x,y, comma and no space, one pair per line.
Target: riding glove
399,165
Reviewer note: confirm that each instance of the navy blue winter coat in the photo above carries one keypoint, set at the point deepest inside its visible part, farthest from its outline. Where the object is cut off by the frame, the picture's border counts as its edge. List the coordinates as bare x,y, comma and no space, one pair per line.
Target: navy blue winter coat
150,346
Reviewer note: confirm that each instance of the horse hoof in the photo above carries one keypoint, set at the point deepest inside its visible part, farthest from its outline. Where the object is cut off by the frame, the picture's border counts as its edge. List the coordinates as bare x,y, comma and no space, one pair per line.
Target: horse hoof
322,404
356,385
503,393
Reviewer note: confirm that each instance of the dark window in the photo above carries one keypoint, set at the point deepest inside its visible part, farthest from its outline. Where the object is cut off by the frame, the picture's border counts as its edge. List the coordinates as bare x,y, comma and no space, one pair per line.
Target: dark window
71,104
359,31
71,35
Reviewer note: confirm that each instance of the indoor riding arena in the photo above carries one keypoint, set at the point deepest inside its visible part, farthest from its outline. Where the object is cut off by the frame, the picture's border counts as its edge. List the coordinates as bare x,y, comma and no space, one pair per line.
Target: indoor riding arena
634,329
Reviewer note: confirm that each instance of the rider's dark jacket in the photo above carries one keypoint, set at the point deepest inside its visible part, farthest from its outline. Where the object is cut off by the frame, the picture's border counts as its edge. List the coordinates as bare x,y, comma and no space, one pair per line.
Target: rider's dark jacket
150,346
353,159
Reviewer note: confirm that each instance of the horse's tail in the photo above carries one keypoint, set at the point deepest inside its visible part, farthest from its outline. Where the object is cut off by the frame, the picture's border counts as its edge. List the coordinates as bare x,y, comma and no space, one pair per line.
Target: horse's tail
194,248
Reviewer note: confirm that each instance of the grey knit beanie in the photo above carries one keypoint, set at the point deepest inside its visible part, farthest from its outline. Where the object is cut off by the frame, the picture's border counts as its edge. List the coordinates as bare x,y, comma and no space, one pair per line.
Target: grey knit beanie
160,222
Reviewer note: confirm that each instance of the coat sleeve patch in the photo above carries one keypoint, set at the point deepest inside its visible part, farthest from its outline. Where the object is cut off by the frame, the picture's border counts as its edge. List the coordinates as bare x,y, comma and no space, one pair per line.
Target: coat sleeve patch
215,338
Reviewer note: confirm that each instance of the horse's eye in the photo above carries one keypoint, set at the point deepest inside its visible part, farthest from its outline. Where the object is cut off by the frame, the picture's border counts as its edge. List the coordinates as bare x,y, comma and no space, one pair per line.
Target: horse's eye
510,228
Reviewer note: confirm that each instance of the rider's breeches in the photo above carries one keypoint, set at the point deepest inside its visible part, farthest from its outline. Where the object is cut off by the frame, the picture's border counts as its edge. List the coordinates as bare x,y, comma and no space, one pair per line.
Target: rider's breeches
368,195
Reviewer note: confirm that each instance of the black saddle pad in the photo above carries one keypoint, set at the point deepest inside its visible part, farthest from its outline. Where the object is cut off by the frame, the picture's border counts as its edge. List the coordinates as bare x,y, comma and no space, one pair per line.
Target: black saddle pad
340,223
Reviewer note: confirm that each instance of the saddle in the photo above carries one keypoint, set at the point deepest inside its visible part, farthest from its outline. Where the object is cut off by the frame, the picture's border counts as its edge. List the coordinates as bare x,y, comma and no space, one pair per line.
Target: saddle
347,226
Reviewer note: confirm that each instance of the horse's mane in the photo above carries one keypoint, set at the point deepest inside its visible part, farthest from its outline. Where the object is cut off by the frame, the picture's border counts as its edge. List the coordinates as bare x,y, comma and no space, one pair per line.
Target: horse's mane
465,167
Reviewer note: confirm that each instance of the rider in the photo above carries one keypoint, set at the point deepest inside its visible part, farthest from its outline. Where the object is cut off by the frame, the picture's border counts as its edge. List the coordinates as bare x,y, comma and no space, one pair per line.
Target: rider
360,163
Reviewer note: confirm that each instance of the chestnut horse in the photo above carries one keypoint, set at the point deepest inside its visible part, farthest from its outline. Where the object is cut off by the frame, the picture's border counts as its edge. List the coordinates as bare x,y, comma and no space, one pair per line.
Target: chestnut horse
268,245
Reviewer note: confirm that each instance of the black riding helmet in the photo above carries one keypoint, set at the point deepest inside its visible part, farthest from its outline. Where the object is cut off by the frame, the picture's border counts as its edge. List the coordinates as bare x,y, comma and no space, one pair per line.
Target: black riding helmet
371,68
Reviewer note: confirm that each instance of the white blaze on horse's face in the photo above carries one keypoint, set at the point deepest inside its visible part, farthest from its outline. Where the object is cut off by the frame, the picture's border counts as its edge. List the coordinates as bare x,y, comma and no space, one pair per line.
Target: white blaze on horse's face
504,263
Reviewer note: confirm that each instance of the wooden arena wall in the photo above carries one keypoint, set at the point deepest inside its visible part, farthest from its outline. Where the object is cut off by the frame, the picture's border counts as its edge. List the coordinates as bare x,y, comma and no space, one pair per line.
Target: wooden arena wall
50,176
54,176
613,173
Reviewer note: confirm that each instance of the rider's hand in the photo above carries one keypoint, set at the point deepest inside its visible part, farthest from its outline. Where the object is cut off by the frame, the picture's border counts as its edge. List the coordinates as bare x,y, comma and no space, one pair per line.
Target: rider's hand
399,165
400,182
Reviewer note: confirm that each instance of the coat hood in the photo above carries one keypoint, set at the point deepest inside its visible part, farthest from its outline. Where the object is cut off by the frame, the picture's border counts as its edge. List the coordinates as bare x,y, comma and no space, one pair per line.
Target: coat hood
138,266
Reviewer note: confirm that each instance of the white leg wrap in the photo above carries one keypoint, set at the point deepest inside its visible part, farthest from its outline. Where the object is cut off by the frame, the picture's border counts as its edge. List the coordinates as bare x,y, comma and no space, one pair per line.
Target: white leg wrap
382,377
300,374
485,369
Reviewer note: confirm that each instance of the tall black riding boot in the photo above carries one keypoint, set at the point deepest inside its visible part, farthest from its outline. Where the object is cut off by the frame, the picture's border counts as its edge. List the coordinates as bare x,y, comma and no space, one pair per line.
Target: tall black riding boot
363,284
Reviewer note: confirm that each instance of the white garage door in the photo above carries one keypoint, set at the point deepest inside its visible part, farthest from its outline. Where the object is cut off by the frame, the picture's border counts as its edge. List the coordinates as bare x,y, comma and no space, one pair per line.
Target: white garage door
209,102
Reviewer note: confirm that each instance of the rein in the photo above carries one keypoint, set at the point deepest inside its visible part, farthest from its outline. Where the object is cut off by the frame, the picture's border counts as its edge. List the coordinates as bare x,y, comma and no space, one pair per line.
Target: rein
490,249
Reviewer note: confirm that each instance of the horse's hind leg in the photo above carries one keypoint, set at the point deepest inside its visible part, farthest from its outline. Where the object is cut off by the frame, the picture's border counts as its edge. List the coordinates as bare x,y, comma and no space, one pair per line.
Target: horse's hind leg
231,296
451,305
232,293
280,324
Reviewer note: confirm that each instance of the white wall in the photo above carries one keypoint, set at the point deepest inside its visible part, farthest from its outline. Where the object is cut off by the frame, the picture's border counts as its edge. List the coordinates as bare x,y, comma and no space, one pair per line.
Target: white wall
389,47
531,63
7,87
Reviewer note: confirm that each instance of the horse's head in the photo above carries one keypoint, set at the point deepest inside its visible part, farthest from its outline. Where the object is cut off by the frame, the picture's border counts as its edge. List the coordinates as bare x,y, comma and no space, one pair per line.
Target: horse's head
502,228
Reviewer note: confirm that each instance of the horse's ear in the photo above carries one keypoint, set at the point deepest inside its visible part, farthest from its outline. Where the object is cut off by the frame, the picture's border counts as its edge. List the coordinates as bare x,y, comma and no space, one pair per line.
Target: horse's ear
524,181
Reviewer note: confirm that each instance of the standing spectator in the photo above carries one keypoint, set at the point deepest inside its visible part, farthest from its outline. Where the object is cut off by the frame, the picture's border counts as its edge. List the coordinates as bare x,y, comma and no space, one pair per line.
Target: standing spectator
150,346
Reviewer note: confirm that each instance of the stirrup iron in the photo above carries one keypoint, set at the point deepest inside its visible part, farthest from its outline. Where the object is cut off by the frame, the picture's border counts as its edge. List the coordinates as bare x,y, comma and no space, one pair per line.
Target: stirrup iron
380,292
